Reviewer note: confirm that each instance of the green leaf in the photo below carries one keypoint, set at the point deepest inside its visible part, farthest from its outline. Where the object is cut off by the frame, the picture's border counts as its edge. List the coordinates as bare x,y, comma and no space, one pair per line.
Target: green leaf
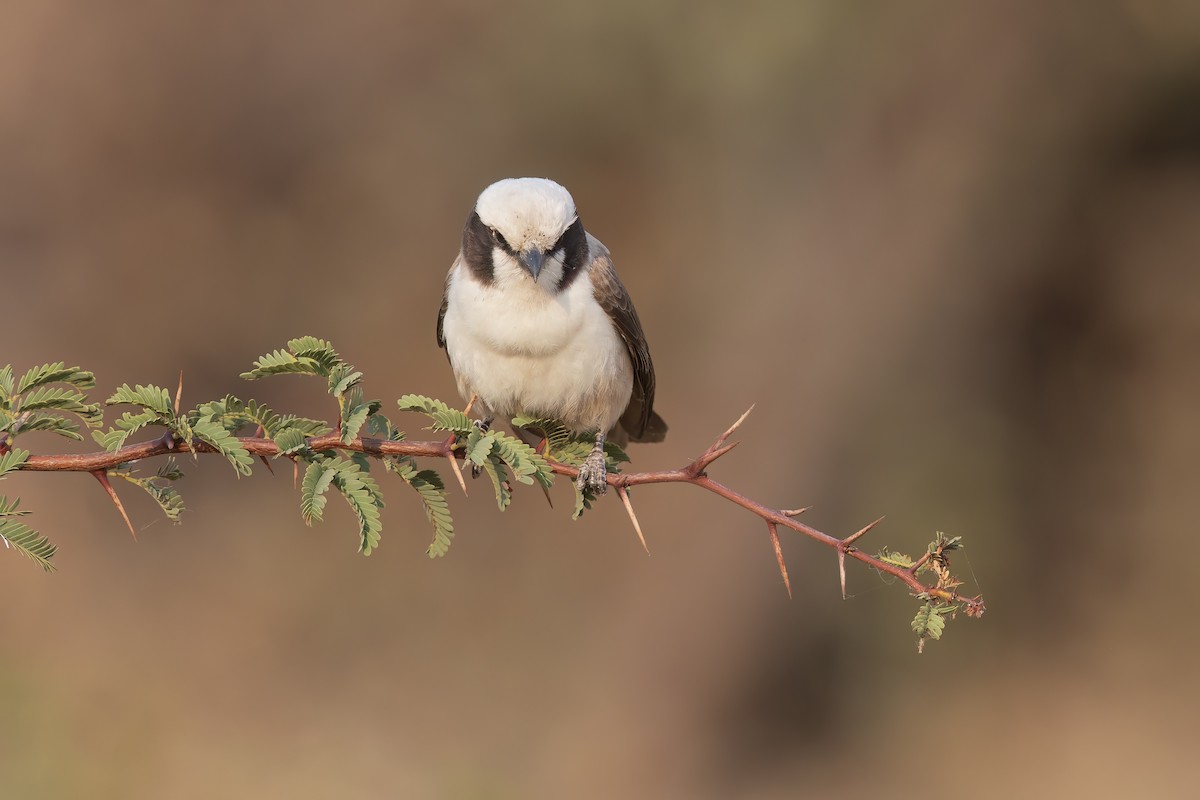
168,499
170,471
55,373
281,362
429,487
525,462
7,387
318,350
60,399
12,460
9,509
28,542
556,434
614,456
930,621
317,478
53,423
227,445
290,440
944,544
304,356
896,559
573,453
151,398
479,446
496,470
342,379
166,495
583,501
419,402
21,537
309,427
380,427
181,429
113,440
362,493
353,417
452,420
364,468
443,416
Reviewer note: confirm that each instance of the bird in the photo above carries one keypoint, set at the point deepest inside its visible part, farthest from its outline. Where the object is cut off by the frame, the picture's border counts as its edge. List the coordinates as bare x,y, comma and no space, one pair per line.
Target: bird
535,322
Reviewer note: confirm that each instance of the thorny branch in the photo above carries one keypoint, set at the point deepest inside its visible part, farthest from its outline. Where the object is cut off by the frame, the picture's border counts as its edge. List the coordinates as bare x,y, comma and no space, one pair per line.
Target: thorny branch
694,473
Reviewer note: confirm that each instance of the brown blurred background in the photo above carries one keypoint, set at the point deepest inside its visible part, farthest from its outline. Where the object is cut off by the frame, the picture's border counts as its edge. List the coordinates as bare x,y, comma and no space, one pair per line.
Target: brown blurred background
949,250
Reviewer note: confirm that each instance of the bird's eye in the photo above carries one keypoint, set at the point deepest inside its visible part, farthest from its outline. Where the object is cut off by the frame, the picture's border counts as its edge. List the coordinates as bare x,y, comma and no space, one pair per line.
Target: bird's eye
499,239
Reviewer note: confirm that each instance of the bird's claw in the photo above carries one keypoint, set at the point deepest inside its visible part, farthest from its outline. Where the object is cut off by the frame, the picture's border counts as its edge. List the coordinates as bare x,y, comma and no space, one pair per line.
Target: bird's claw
593,474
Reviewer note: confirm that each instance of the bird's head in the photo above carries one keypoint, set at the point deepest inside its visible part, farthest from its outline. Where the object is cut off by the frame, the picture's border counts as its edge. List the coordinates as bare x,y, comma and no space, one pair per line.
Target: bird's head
522,229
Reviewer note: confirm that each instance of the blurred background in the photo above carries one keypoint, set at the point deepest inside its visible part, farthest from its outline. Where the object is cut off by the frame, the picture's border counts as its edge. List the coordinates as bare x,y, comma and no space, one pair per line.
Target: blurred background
949,250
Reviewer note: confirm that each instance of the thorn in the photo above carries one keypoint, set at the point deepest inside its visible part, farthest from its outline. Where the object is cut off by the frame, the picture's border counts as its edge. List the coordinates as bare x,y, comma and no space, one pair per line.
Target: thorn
261,433
623,493
470,404
546,492
457,472
179,393
102,476
295,474
712,455
842,568
862,532
774,530
794,512
721,439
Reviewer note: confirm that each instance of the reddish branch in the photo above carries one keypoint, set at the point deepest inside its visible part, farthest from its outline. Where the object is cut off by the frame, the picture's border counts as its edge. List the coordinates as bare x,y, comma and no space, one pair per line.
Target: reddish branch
694,473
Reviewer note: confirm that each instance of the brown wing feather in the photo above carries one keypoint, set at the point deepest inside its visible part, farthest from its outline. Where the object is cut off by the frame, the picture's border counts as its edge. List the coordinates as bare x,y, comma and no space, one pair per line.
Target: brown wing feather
441,334
639,419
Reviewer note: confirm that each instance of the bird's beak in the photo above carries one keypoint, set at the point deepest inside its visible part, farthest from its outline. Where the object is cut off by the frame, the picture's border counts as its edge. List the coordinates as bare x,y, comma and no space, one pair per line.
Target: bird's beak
532,260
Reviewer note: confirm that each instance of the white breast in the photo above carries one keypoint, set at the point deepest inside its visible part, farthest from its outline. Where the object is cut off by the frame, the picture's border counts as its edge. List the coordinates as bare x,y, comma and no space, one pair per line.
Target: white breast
525,350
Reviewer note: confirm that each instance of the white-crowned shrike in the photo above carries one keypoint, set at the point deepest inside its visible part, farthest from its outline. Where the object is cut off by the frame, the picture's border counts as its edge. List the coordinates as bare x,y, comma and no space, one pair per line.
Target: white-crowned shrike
535,321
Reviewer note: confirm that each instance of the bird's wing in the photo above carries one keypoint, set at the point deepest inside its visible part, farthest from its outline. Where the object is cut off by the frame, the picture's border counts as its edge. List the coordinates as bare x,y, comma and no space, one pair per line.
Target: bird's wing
441,334
639,419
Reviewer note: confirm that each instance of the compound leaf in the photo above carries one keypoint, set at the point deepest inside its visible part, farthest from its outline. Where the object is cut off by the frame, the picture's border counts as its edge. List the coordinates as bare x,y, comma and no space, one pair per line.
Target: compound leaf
224,443
10,461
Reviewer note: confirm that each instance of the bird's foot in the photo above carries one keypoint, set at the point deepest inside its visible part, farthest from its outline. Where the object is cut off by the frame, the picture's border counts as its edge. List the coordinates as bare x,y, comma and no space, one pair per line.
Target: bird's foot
593,473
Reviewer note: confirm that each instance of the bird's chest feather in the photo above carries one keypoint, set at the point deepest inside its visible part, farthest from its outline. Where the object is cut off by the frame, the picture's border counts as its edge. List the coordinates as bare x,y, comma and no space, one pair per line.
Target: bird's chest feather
522,348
